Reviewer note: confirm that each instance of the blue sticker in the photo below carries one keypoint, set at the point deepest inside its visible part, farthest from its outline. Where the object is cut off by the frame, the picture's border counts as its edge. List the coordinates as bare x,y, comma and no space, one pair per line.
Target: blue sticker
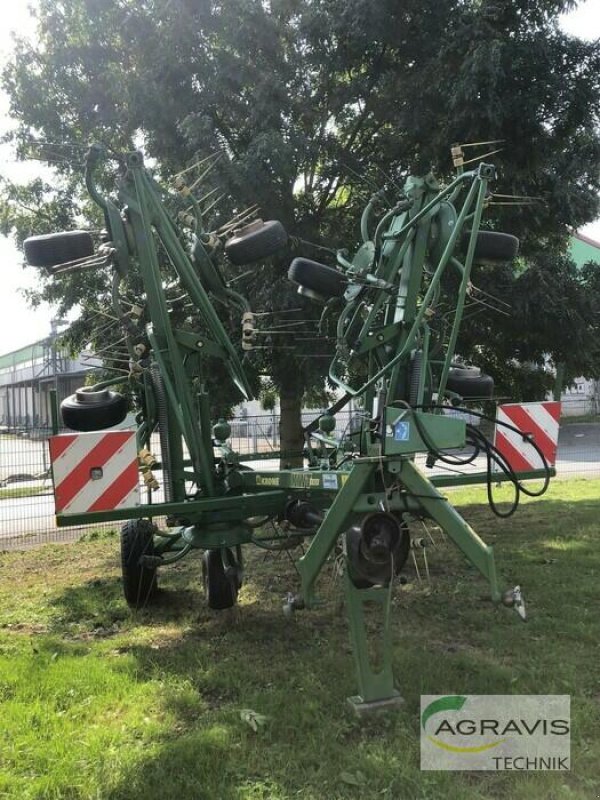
402,431
330,480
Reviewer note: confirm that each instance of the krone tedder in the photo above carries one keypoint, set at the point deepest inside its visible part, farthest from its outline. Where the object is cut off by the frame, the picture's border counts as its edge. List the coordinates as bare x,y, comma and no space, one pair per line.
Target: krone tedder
398,301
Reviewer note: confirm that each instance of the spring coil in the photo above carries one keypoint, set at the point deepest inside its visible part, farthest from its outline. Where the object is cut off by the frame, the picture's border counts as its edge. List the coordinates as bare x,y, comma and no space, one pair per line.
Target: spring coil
415,378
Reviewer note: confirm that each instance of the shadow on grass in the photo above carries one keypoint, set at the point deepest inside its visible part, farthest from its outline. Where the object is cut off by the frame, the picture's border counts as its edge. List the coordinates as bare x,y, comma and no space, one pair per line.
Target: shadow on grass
211,671
207,671
293,678
98,607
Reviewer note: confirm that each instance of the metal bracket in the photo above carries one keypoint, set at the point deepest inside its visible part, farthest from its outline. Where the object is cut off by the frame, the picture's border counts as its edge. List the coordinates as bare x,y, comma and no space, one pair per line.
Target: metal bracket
513,598
374,669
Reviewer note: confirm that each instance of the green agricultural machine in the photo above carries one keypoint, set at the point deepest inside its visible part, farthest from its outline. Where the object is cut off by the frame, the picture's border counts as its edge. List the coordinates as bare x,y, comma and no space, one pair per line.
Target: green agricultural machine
398,303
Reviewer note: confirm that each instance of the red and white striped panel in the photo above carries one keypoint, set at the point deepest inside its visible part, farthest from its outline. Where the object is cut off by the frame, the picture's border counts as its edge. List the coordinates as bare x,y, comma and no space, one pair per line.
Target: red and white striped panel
94,471
540,421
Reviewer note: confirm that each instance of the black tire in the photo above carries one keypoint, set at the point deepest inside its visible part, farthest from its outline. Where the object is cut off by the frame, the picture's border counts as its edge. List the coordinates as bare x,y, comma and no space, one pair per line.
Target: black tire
470,382
325,281
139,581
88,410
57,248
220,588
211,278
256,244
495,246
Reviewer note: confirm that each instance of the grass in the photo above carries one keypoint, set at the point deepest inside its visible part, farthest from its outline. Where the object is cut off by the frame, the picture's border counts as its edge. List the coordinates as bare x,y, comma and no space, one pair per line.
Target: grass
24,491
183,703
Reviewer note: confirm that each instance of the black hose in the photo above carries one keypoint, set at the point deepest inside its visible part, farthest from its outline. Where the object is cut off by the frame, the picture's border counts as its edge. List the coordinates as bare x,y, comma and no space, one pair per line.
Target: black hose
480,443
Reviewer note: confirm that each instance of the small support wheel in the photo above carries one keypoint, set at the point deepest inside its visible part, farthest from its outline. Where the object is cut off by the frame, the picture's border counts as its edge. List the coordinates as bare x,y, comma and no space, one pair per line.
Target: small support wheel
494,247
53,249
220,578
256,241
470,382
325,281
93,410
139,580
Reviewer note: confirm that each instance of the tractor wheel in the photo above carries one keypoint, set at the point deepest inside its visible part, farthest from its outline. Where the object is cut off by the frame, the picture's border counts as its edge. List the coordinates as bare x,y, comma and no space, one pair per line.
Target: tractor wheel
493,246
325,281
57,248
220,588
255,243
89,410
139,581
470,382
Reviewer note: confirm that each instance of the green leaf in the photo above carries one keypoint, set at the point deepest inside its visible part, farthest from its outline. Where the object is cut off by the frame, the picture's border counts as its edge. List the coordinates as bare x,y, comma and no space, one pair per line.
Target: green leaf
253,718
353,778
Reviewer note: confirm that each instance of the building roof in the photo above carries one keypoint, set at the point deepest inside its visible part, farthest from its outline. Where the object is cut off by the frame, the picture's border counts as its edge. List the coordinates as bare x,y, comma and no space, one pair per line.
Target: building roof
23,355
583,249
39,359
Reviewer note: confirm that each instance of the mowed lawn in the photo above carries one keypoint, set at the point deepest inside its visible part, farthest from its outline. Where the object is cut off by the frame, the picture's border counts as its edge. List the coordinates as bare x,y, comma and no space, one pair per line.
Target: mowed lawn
181,703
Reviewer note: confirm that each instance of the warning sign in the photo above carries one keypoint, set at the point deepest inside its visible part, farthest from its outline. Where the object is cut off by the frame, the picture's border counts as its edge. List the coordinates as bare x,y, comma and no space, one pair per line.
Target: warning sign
537,422
94,471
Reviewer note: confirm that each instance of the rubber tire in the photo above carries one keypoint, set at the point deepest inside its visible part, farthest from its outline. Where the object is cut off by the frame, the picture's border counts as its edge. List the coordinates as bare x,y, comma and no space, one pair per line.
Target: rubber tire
53,249
470,382
93,411
139,582
495,246
220,590
325,281
257,244
210,276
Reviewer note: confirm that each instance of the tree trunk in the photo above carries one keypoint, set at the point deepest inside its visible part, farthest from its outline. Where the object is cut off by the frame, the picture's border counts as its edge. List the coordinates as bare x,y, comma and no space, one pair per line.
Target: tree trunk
290,428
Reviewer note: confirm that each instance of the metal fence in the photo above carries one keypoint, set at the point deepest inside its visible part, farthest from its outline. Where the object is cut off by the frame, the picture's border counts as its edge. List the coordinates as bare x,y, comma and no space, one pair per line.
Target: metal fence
26,492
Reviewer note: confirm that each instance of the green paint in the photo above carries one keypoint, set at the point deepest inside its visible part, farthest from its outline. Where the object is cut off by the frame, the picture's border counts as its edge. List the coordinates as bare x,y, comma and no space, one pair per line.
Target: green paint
396,286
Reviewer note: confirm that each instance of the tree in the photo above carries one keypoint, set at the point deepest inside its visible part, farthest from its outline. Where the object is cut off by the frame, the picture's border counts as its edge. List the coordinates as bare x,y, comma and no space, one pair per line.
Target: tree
315,104
552,317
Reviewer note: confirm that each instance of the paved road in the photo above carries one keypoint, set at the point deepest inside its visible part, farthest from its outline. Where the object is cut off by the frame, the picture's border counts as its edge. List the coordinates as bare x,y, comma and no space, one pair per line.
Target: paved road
22,456
578,456
579,449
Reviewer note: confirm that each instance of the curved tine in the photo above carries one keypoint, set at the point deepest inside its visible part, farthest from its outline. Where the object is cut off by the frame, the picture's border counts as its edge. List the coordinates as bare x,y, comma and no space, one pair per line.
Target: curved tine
80,263
212,156
206,172
481,144
491,296
373,186
242,216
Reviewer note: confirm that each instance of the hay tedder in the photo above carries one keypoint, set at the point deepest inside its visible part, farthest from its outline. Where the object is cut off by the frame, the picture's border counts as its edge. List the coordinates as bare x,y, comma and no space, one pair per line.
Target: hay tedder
398,301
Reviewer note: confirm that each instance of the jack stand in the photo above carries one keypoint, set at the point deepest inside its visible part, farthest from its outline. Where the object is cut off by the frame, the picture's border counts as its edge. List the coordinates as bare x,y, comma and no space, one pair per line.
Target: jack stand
375,682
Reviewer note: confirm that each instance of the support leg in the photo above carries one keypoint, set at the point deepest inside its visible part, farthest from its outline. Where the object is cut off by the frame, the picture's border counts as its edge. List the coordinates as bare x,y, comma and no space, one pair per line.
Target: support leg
373,659
462,534
335,522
